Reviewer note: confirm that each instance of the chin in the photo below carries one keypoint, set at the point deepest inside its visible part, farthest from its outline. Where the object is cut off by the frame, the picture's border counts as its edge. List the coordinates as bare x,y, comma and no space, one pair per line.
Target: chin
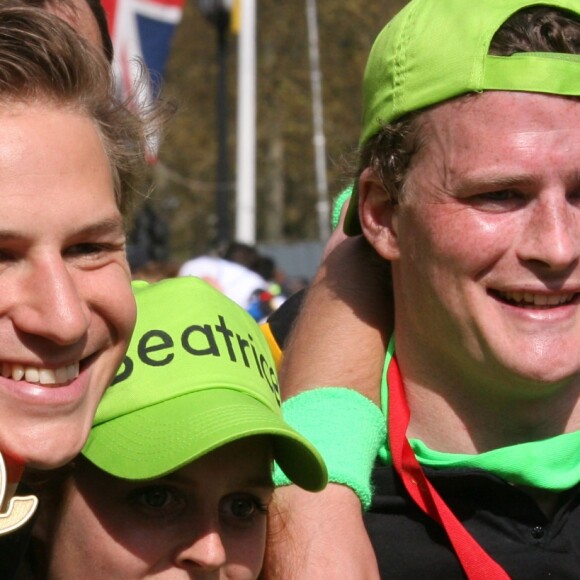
546,362
546,377
54,451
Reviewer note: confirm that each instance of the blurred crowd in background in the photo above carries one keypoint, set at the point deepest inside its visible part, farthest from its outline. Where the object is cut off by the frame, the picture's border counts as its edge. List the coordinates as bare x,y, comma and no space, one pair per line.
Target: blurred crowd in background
240,271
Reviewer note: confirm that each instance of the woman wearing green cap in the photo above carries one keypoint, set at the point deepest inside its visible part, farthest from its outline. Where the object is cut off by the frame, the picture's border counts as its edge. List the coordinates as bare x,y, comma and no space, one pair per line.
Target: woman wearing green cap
176,477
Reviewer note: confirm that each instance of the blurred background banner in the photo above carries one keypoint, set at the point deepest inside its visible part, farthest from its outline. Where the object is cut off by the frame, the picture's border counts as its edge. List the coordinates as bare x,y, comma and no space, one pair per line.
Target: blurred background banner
141,29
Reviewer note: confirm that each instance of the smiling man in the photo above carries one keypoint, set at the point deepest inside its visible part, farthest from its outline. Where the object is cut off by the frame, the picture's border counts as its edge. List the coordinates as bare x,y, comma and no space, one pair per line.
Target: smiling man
469,186
70,159
70,155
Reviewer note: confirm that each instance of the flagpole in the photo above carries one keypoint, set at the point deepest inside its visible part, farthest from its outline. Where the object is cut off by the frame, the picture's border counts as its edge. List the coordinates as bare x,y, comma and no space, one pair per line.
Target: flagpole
222,177
246,126
319,140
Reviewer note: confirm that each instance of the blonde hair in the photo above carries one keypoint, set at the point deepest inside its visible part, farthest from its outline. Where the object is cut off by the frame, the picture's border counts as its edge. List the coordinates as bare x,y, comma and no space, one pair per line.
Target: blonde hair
42,59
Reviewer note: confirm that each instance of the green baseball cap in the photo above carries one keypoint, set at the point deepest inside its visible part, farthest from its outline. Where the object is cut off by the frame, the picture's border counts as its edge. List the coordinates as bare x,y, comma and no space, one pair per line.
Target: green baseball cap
435,50
198,374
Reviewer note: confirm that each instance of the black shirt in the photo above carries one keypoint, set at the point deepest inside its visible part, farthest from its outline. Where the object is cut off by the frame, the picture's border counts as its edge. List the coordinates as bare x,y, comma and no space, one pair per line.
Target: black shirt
505,521
13,545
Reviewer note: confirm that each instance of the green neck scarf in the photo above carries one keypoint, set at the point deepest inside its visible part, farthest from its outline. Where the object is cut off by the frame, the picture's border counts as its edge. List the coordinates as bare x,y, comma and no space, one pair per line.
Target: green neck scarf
552,464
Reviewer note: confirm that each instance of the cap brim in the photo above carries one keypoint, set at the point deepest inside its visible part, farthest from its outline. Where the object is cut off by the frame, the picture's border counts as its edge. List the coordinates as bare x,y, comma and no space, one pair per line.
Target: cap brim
164,437
352,225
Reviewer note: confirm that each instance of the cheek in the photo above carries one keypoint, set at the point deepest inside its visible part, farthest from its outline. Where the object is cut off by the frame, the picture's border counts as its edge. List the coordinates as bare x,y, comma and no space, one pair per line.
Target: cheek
245,553
113,301
78,542
461,241
95,536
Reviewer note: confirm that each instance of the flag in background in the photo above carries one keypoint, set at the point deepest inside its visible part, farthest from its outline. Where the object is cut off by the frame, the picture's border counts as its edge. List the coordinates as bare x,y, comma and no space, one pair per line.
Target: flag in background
141,29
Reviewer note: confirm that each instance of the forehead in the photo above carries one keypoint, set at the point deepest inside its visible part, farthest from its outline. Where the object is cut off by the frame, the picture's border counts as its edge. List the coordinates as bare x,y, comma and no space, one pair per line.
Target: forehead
55,151
500,130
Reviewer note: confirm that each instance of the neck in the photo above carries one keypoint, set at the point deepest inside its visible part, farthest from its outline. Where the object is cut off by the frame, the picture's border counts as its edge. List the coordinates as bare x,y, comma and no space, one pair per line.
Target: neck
448,415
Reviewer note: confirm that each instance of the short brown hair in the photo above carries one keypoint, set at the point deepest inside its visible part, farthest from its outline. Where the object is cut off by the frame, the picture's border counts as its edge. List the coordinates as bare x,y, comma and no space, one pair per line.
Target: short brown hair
96,8
42,59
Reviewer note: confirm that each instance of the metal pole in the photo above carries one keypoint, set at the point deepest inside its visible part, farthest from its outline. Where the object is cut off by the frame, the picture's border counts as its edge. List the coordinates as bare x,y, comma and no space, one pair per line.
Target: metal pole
246,148
222,185
319,140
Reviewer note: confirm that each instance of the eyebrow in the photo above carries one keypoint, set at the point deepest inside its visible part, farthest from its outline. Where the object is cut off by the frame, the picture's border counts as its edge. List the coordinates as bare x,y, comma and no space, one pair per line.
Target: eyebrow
102,227
105,226
469,182
258,481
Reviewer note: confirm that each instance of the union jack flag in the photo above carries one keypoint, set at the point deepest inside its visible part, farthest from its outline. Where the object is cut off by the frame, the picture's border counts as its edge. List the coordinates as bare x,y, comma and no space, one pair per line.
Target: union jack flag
141,29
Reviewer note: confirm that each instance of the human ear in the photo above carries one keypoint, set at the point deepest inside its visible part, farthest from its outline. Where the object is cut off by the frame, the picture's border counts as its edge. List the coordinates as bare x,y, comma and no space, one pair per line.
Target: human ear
378,215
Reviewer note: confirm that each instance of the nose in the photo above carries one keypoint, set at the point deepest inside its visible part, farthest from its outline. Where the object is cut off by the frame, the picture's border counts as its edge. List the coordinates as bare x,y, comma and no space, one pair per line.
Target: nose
552,236
205,553
48,302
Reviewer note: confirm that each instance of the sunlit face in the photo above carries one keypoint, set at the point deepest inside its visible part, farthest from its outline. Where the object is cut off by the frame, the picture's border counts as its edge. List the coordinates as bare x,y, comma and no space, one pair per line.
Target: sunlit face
66,306
486,242
206,520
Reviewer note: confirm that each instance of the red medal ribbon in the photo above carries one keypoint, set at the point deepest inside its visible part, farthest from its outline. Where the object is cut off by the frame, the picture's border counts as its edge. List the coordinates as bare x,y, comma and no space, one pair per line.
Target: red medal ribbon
14,468
477,564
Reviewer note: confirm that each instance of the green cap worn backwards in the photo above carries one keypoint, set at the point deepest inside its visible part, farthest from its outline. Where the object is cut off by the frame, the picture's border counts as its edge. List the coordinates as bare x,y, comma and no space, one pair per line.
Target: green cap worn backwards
198,374
435,50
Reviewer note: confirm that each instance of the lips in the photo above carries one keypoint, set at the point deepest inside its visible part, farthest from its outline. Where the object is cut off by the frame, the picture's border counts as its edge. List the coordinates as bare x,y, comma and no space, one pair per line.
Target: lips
531,299
40,375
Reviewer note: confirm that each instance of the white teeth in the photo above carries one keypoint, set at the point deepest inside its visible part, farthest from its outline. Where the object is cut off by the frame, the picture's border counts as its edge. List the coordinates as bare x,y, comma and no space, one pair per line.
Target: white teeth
31,375
17,372
72,371
537,299
59,376
46,377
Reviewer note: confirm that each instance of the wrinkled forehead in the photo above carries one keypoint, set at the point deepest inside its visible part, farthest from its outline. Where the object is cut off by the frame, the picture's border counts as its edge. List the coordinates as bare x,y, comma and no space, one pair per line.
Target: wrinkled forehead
495,111
499,132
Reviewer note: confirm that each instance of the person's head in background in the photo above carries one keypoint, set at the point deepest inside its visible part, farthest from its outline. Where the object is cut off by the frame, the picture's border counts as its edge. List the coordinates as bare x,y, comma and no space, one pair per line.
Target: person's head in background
242,254
87,17
69,157
176,477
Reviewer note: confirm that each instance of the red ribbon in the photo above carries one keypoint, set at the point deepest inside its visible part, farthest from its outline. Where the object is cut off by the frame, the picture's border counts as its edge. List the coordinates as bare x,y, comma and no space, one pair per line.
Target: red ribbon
14,468
477,564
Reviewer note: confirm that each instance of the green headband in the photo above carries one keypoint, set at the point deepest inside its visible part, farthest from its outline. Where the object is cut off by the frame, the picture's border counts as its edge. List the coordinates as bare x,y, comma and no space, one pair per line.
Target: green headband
435,50
198,374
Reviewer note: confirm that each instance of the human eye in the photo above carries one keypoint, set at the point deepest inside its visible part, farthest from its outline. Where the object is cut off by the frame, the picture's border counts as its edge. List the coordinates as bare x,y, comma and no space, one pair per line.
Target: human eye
93,254
243,509
500,200
86,249
6,256
574,196
158,500
96,244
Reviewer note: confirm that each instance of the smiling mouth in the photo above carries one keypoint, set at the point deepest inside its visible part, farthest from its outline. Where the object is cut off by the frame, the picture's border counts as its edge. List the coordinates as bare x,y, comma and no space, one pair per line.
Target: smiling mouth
532,300
43,376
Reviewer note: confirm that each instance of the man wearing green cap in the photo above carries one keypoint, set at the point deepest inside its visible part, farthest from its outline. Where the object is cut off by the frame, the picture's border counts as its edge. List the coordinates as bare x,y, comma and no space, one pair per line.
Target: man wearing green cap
469,186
